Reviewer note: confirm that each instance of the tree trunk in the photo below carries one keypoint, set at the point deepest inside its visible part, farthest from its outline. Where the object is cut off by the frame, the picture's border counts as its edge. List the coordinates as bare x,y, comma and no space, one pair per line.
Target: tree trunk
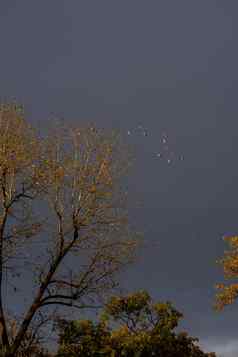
3,327
34,307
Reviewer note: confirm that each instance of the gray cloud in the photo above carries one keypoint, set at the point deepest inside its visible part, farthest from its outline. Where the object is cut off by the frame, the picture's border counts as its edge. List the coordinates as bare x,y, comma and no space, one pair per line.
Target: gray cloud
227,348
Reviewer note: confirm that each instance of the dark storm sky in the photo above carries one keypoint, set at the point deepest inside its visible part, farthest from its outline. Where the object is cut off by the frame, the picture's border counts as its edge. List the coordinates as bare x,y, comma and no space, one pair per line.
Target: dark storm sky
171,66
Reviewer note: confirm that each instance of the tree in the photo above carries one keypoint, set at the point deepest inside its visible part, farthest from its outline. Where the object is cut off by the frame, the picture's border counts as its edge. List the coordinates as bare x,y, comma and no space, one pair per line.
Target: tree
228,293
131,326
32,345
61,197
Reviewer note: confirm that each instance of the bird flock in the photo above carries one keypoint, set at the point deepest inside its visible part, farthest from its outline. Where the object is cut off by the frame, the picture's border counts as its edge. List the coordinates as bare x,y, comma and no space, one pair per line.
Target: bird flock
164,152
